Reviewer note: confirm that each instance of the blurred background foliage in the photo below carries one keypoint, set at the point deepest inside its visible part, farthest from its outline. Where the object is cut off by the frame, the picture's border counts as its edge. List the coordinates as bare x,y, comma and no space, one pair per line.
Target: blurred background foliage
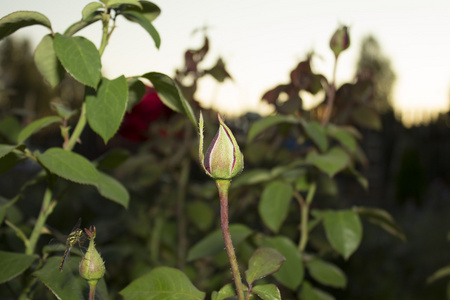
174,205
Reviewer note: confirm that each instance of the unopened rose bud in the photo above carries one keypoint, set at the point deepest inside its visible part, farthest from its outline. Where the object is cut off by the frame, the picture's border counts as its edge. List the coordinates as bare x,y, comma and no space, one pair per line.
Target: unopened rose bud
92,266
340,40
223,159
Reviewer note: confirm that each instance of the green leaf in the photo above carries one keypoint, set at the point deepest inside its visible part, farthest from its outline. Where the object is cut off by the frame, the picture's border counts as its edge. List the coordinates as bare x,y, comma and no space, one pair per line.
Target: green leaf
136,91
213,243
9,129
330,162
162,283
106,107
219,71
14,264
274,204
263,262
344,137
250,177
138,17
20,19
326,273
63,111
77,26
80,58
267,292
5,204
383,219
149,10
117,3
225,292
292,271
264,123
65,285
343,230
6,149
307,292
35,126
359,177
69,165
201,214
113,190
448,290
442,272
112,159
170,95
90,9
316,132
366,117
47,62
10,156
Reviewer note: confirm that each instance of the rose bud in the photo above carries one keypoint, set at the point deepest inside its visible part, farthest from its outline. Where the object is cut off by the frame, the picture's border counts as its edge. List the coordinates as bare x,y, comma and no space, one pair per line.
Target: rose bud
223,159
340,40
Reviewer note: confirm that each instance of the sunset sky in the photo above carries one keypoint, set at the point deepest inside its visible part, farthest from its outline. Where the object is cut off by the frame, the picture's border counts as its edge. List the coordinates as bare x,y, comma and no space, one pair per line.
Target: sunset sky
262,41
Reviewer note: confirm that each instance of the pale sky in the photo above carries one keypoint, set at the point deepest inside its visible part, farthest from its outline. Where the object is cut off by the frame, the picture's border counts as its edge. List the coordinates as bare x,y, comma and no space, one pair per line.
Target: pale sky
262,41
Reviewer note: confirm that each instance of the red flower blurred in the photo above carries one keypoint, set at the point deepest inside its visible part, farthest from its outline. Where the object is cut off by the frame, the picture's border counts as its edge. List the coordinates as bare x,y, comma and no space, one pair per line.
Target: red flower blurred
136,123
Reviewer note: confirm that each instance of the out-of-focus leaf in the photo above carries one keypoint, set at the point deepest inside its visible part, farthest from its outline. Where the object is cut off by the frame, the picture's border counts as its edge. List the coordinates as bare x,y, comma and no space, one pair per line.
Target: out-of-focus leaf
292,271
442,272
14,264
117,3
213,243
35,126
10,128
274,204
149,10
47,62
359,177
200,214
77,26
381,218
80,58
162,283
365,117
308,292
170,95
138,17
106,107
267,292
113,190
326,273
10,156
343,137
136,90
264,261
5,204
250,177
112,159
90,9
317,133
264,123
343,230
219,71
6,149
20,19
63,112
330,162
327,185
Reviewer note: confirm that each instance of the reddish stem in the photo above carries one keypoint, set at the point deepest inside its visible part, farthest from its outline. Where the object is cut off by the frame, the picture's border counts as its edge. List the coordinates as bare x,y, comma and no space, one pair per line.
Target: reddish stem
222,186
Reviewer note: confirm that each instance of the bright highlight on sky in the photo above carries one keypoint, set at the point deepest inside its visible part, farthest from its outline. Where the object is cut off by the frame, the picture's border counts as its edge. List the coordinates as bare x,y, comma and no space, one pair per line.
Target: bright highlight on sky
262,41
